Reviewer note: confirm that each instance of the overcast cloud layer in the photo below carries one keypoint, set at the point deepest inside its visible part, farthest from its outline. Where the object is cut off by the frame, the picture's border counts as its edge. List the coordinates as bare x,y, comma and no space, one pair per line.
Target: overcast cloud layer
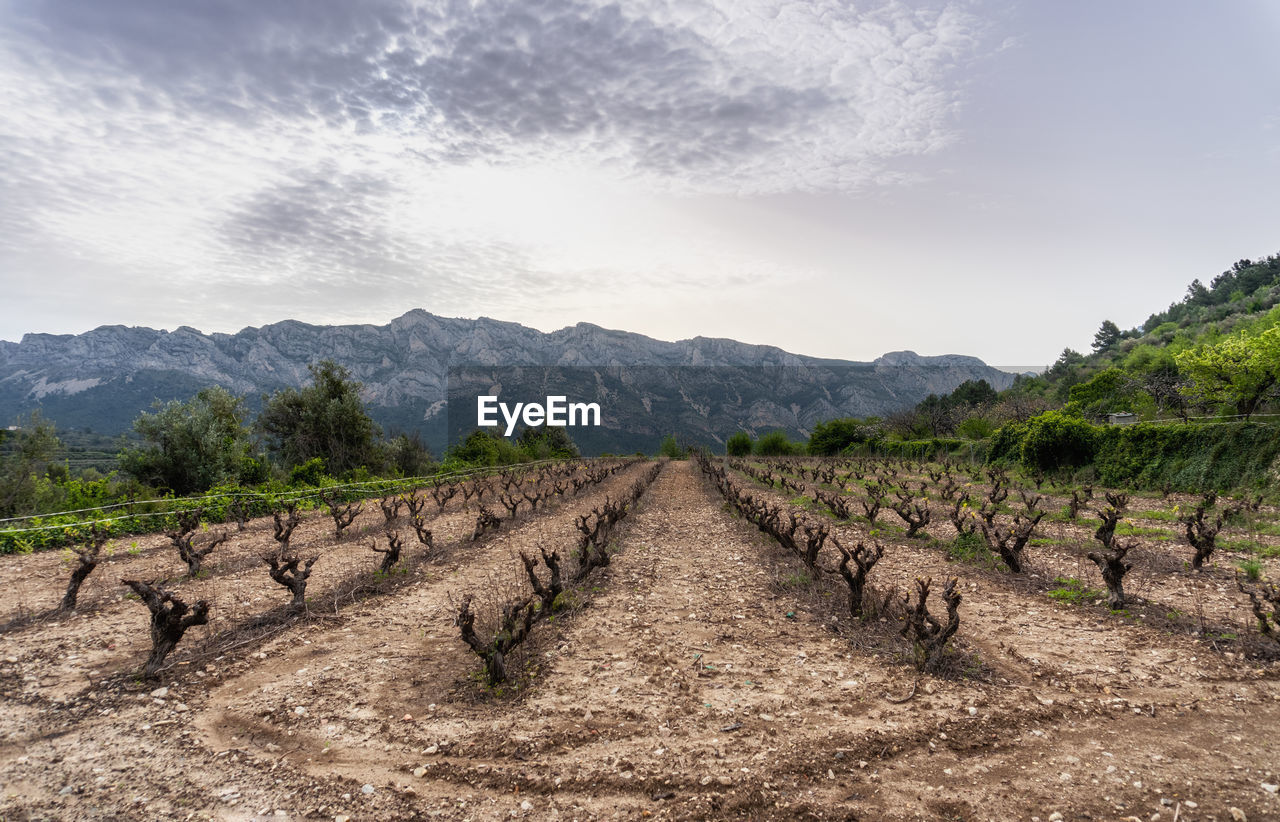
836,178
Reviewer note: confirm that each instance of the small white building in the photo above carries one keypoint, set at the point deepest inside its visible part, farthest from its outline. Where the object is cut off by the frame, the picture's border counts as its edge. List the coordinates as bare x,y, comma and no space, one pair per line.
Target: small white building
1121,418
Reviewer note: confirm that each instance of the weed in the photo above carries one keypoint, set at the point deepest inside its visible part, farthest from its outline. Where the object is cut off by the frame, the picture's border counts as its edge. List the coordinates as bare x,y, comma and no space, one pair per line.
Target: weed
1073,591
1124,529
972,548
1252,569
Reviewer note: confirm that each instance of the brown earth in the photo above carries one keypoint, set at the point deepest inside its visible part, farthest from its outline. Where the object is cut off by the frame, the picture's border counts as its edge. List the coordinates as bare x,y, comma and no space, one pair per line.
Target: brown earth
700,677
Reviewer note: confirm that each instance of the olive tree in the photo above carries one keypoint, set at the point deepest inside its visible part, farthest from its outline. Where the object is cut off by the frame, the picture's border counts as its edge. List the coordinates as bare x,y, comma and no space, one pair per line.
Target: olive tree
325,419
190,446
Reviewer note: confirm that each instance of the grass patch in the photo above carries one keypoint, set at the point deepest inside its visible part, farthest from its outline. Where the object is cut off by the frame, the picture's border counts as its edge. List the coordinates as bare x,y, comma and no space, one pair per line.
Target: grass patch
797,580
972,548
1249,546
1073,592
1125,529
1252,569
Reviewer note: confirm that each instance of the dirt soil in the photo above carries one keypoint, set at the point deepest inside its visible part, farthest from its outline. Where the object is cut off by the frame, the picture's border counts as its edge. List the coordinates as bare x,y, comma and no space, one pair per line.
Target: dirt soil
694,680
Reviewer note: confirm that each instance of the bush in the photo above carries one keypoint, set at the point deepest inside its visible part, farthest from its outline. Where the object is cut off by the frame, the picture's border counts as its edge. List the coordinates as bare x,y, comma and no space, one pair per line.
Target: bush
190,446
1194,457
776,444
1006,444
254,470
484,447
834,436
738,445
309,474
408,456
672,449
1054,440
325,419
547,442
975,428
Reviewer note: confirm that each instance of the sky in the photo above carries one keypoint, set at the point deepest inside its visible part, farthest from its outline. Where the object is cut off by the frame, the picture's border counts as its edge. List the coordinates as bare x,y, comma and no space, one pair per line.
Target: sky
839,179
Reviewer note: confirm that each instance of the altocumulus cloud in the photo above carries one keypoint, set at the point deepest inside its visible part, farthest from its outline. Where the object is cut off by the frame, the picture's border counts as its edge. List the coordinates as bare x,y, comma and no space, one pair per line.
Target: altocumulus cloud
311,141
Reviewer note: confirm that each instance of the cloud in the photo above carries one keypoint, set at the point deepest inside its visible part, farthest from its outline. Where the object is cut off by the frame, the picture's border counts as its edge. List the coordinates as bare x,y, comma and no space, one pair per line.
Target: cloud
756,97
319,143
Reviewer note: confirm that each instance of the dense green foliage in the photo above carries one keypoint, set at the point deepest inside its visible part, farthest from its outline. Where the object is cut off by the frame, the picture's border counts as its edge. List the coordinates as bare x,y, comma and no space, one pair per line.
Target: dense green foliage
1054,440
24,464
325,419
485,446
738,445
191,446
671,448
834,436
776,444
1213,353
1191,457
547,442
1239,372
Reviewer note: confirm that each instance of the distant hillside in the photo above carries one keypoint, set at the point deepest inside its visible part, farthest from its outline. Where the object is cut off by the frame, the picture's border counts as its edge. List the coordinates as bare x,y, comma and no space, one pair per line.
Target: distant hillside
1135,369
104,378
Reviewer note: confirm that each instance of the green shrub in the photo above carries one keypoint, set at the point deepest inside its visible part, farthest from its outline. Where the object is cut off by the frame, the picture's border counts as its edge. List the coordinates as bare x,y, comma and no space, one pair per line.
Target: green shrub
1006,444
1073,591
776,444
975,428
834,436
738,445
1196,457
970,547
309,473
1054,440
671,448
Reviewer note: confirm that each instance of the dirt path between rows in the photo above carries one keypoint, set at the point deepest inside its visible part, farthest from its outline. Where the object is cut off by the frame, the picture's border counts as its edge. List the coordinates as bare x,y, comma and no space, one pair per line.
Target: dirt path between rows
696,680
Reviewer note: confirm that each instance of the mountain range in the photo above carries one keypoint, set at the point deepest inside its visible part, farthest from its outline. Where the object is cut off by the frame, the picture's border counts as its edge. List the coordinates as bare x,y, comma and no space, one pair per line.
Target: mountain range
703,388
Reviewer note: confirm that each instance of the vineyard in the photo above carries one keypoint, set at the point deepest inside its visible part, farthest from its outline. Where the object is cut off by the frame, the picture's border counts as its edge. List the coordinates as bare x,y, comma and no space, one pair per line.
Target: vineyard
742,638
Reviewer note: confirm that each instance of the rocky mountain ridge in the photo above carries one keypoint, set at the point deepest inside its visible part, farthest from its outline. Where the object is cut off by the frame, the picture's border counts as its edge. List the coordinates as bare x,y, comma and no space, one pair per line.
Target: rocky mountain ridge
103,378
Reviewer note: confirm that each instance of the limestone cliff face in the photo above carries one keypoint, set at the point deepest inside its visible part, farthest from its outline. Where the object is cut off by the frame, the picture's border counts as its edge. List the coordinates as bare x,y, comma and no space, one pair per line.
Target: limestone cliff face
105,377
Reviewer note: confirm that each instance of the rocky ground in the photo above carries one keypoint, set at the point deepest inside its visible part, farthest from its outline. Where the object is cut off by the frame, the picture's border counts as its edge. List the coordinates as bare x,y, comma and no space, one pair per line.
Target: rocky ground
697,677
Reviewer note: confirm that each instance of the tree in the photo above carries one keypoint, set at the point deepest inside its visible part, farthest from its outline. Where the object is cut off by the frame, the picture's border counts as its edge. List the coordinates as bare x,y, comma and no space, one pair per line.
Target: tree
1107,391
776,444
1066,361
408,456
190,446
325,419
834,436
1107,336
1197,294
972,393
548,442
1241,371
485,446
739,444
671,448
26,455
937,414
1054,440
